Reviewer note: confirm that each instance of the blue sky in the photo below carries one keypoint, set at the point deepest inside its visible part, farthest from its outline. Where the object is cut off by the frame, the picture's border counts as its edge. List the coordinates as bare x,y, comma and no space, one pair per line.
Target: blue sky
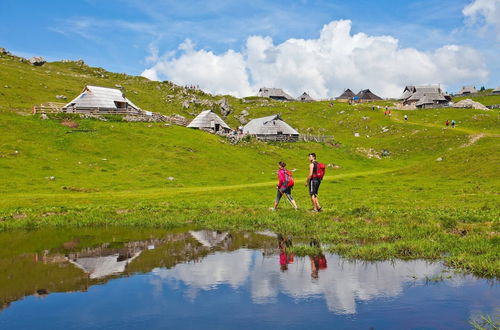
131,35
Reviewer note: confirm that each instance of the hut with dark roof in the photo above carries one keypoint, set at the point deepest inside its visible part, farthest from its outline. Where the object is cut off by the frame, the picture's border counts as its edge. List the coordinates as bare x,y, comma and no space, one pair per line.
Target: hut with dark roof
305,98
275,94
366,95
466,90
424,96
101,100
209,121
496,90
271,128
346,96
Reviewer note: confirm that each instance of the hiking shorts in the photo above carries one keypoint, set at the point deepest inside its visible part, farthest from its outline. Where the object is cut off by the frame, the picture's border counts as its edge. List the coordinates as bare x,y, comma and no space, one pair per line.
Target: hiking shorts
284,191
314,187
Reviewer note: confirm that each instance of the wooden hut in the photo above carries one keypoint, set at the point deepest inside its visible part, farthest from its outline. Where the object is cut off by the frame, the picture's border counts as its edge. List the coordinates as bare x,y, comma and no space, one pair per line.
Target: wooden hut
271,128
101,100
346,96
366,95
424,96
305,98
275,94
210,121
466,90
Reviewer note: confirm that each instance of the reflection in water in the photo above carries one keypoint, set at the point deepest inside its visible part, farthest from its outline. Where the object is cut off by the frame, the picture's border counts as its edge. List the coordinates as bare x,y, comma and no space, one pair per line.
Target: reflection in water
341,284
208,268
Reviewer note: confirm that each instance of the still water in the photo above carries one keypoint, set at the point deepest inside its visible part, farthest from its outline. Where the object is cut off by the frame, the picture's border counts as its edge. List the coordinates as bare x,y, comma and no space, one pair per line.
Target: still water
123,279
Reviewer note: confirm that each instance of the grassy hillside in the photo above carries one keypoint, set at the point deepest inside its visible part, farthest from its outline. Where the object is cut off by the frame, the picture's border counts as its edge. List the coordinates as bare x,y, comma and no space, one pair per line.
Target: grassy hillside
434,196
485,97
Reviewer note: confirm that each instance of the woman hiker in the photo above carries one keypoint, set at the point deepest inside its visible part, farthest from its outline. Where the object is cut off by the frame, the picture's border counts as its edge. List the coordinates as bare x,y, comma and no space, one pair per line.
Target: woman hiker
284,186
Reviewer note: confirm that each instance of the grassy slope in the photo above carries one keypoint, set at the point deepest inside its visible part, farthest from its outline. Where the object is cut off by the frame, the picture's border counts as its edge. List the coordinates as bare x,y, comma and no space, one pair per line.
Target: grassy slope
408,205
485,97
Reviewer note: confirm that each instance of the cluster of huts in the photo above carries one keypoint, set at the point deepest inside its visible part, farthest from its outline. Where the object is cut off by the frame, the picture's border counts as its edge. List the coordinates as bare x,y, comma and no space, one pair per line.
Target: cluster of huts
270,128
279,94
103,100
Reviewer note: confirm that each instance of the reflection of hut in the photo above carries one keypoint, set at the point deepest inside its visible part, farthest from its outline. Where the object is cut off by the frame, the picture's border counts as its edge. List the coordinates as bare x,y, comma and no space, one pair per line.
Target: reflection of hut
211,239
496,90
346,96
102,266
466,90
271,128
305,98
366,95
209,120
275,94
424,96
103,100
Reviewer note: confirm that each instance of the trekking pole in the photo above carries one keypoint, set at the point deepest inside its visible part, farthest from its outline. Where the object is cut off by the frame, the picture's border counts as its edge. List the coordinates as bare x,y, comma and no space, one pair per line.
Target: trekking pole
287,198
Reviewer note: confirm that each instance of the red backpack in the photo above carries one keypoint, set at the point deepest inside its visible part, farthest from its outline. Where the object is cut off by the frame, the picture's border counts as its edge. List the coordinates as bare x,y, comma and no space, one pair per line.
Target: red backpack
289,179
320,171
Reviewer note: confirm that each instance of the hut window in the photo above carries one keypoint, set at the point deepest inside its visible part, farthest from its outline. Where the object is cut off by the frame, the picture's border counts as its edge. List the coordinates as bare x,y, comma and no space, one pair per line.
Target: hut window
280,133
120,105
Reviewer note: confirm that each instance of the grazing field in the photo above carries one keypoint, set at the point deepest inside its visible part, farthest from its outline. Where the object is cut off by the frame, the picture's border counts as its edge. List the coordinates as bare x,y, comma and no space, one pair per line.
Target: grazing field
435,193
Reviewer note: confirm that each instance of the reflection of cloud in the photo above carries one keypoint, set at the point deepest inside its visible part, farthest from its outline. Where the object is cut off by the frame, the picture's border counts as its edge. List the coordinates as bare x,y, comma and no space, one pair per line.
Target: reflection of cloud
221,268
341,284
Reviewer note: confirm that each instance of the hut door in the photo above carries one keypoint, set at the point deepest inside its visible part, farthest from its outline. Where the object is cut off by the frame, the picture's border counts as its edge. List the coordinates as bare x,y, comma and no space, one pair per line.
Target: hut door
217,127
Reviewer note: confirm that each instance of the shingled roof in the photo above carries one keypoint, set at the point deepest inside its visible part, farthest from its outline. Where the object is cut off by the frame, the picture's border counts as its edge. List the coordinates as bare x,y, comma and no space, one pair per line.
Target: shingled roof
274,93
305,97
367,94
417,93
346,95
101,97
467,90
271,125
207,119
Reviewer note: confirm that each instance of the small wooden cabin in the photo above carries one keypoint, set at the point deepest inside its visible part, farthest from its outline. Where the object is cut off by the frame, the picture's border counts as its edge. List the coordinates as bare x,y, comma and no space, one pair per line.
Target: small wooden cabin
305,98
101,100
346,96
466,90
275,94
209,120
271,128
366,95
424,96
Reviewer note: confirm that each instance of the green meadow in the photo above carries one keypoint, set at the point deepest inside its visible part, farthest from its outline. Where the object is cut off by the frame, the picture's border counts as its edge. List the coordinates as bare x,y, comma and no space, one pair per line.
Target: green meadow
434,196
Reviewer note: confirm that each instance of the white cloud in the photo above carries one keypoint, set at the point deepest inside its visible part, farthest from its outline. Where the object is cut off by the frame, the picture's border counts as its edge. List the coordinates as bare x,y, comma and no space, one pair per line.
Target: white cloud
485,14
323,67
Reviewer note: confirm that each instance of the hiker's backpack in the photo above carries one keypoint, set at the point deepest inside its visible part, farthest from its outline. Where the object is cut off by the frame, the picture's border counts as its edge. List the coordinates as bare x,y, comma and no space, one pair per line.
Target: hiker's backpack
320,171
289,179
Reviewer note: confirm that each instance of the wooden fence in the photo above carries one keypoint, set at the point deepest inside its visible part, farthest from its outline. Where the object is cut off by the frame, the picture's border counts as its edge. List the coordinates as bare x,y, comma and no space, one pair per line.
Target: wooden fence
51,107
316,138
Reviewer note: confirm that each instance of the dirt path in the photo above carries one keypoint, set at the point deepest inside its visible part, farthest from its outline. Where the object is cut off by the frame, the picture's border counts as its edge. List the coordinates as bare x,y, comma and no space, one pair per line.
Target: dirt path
9,199
473,139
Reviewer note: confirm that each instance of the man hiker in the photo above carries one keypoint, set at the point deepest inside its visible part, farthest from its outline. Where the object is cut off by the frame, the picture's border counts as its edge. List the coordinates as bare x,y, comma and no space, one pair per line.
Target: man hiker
406,117
284,186
316,173
453,123
447,123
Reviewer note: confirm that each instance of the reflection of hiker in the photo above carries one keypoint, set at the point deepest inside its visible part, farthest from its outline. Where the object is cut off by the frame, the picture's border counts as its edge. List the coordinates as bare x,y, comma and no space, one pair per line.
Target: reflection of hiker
447,123
316,173
406,117
453,123
285,185
285,258
318,261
